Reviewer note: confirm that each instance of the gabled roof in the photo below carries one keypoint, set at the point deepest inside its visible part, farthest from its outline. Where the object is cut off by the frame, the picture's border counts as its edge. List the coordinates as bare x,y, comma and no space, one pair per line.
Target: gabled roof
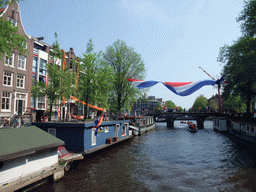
17,142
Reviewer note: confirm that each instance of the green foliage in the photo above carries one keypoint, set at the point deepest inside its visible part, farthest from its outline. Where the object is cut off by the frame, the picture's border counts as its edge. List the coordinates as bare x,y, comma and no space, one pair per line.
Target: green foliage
200,103
94,80
10,39
125,63
240,68
235,103
248,19
213,105
159,108
181,110
239,60
170,105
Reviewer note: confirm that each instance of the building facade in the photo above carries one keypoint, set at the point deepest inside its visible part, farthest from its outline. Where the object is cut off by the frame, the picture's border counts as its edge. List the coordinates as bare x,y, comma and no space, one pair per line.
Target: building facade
18,73
15,71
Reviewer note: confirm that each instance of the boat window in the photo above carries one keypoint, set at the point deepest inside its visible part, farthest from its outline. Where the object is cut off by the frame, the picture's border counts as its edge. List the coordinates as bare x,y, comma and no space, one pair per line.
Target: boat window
52,131
64,151
106,129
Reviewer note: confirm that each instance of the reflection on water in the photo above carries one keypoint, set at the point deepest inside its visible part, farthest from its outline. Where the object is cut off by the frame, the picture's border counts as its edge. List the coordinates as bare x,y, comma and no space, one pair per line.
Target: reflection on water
166,159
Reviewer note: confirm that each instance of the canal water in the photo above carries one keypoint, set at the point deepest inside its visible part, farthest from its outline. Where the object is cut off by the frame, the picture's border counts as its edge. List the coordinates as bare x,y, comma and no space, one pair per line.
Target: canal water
165,159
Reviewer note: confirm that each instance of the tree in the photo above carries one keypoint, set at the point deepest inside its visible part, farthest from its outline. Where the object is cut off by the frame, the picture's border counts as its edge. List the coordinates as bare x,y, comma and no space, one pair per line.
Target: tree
9,37
213,105
125,63
200,103
248,19
181,110
159,108
94,79
170,105
240,68
234,102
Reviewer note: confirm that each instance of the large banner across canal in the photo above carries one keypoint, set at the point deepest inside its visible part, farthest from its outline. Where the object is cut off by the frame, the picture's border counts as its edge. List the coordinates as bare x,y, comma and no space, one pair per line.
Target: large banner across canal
179,88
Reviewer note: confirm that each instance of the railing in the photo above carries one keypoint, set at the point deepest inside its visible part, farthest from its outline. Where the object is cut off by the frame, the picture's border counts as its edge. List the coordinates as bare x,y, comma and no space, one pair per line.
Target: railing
17,120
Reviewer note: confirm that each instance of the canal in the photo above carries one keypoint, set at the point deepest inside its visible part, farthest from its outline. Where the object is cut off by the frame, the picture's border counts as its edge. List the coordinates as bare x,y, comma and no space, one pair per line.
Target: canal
165,159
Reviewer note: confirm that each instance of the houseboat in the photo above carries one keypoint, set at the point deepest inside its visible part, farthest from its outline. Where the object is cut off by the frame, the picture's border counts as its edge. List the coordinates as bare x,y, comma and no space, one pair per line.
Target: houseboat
244,132
27,155
221,124
142,125
82,137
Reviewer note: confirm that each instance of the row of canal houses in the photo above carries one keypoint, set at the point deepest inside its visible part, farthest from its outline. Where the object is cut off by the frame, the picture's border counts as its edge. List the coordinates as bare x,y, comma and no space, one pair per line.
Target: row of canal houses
18,73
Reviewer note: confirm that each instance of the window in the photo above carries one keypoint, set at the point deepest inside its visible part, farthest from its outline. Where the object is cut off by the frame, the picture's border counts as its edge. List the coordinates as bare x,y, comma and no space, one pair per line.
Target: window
42,67
124,129
33,79
93,137
33,104
34,68
8,78
21,62
52,131
13,22
6,101
106,129
41,102
21,81
24,44
9,61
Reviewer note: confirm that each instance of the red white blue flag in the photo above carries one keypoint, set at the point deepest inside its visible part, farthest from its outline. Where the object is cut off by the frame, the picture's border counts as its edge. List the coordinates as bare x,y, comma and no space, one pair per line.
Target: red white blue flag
141,84
98,122
179,88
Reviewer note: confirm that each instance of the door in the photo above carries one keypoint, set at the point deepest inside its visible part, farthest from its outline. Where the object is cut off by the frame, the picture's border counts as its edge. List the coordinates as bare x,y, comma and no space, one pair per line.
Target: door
117,129
20,106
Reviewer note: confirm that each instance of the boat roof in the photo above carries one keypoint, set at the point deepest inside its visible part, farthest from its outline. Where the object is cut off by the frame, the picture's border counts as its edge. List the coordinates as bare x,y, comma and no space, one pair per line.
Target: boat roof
17,142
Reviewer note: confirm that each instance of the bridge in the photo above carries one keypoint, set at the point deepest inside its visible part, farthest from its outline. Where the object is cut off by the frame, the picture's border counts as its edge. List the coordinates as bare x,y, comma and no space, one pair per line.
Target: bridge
198,117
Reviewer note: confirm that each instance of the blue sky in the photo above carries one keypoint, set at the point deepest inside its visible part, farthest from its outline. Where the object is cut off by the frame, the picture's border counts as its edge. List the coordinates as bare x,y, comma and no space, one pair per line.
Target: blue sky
174,37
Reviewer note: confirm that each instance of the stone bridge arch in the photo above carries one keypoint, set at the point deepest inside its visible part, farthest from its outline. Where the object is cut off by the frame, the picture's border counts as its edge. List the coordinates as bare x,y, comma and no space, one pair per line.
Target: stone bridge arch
199,117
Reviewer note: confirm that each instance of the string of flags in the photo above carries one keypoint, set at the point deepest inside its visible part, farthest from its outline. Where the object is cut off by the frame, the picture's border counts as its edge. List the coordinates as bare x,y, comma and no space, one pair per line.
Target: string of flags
179,88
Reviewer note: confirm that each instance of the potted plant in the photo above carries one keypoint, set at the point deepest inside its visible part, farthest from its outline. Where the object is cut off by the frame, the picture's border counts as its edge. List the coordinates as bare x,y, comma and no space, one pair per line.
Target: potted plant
115,139
109,140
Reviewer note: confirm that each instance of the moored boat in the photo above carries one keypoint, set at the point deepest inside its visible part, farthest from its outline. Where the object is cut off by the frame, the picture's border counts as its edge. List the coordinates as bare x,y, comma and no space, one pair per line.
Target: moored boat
142,125
67,157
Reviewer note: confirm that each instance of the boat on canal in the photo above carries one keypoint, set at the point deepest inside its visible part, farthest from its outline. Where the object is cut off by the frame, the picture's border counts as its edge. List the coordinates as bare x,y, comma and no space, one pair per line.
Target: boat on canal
142,125
191,126
67,158
243,132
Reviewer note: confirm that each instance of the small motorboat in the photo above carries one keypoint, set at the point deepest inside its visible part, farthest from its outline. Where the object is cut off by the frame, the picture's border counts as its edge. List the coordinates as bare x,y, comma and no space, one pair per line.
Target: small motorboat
68,158
192,127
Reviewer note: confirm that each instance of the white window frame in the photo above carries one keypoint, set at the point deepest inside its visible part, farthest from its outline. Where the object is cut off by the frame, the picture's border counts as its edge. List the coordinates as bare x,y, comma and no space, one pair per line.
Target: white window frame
41,101
106,129
93,136
19,80
52,131
9,78
10,102
22,59
8,60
